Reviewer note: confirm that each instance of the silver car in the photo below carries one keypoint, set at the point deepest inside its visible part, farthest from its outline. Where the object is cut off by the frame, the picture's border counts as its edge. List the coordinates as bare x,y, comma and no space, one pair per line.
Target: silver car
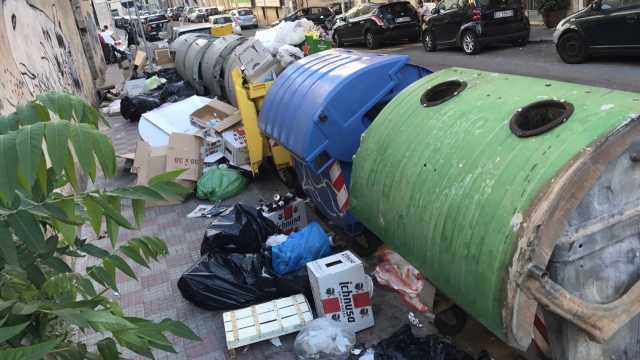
245,18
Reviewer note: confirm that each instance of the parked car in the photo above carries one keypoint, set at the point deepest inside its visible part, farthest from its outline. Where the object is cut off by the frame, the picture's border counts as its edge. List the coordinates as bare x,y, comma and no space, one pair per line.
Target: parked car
605,27
245,18
187,13
224,19
202,14
317,15
153,25
176,13
176,32
472,24
374,24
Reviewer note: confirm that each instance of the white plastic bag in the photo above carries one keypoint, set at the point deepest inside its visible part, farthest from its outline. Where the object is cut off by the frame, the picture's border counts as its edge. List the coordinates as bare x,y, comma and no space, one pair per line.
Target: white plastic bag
288,54
285,33
324,339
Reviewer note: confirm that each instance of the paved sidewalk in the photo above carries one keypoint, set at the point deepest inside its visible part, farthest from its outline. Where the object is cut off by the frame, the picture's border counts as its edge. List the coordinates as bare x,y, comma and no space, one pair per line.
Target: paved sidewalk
540,33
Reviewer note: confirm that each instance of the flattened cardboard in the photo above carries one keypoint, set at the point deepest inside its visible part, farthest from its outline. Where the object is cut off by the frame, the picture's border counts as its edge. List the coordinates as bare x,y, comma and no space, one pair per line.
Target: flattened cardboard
227,123
140,59
183,152
214,110
163,57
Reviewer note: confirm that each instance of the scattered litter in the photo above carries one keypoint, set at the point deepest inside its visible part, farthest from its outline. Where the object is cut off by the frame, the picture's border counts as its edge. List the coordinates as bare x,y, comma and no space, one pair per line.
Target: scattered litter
285,33
208,211
288,54
155,126
134,87
220,183
402,345
324,338
239,230
288,212
397,274
342,290
276,341
113,109
132,107
277,239
153,83
301,247
266,321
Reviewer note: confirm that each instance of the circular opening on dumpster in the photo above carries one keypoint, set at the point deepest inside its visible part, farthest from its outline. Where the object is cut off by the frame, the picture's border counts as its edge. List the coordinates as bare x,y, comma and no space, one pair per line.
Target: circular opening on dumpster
442,92
540,117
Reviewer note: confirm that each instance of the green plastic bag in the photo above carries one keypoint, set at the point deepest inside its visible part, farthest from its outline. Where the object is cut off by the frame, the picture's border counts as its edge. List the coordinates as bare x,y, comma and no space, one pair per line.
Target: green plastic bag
152,83
220,183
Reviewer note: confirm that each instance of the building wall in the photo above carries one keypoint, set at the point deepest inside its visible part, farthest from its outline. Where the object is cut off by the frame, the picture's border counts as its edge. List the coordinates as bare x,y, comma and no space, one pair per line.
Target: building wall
40,50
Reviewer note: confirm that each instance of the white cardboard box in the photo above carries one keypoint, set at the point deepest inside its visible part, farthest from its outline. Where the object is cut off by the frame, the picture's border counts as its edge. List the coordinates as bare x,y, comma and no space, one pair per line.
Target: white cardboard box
235,146
292,217
342,290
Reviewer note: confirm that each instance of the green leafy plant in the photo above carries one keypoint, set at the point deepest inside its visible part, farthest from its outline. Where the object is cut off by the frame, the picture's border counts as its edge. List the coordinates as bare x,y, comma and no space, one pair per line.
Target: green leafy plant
552,5
44,303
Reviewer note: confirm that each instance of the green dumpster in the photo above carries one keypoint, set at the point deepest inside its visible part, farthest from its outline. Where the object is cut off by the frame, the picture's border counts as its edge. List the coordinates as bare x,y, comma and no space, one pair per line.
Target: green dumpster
508,192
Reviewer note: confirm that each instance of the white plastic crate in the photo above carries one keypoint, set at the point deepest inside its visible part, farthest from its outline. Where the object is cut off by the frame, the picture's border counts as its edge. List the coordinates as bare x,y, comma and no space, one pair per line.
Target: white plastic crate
265,321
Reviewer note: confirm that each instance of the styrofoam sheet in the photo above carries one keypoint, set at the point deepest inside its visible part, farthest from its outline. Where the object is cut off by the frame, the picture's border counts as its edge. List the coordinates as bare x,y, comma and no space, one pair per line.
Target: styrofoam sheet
156,125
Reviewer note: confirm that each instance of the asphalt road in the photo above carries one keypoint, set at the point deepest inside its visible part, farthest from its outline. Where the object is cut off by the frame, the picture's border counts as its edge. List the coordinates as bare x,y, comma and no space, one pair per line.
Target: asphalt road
536,60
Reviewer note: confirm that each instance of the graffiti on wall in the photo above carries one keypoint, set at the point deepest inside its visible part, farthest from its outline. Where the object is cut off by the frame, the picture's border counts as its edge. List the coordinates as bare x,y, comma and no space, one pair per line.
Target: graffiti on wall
40,51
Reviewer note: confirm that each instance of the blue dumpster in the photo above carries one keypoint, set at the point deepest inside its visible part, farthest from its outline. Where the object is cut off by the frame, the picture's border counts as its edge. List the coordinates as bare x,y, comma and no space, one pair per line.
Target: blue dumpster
319,107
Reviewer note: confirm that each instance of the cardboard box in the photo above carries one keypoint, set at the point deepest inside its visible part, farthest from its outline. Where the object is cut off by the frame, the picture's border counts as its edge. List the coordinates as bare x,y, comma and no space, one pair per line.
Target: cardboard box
140,59
342,290
212,113
212,148
151,161
163,57
235,146
183,152
292,217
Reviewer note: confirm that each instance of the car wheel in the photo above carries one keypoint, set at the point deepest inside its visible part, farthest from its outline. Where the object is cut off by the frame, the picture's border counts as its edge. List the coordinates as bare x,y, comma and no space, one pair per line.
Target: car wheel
520,42
571,48
470,43
429,41
337,40
372,40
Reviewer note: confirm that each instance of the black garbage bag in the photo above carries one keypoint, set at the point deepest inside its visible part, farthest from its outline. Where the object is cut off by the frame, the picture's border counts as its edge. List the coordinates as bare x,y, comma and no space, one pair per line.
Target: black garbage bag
233,281
402,345
173,92
133,107
242,230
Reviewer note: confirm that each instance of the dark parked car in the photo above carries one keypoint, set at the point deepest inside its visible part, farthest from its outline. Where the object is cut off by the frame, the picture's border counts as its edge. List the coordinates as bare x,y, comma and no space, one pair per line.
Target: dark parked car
605,27
317,15
153,25
472,24
374,24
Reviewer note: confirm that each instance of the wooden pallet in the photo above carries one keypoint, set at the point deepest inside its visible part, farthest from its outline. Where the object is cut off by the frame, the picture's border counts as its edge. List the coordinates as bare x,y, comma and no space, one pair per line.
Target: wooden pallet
265,321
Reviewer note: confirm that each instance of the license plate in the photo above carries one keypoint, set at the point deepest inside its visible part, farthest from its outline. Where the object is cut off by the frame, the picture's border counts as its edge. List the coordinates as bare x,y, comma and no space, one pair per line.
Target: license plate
403,19
502,14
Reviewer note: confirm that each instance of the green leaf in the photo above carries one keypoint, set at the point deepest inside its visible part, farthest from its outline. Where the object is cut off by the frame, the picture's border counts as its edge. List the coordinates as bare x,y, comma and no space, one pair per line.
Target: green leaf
110,270
108,349
57,264
65,214
88,290
28,230
112,225
6,304
138,211
57,102
104,320
57,137
179,329
32,113
169,176
110,211
7,245
100,274
94,251
8,332
134,343
94,211
105,153
33,352
8,123
123,266
29,147
25,308
132,251
8,165
73,316
81,136
137,192
70,170
170,190
35,275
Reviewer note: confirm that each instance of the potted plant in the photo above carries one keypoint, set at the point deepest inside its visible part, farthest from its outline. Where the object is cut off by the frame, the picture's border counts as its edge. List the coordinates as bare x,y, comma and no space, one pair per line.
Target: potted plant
553,11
